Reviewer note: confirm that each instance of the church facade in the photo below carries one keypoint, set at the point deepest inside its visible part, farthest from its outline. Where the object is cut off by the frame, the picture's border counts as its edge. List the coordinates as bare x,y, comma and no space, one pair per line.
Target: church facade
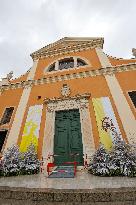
60,103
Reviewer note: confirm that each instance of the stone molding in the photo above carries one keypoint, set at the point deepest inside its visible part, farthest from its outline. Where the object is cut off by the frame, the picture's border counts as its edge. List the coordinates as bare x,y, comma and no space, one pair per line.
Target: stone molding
63,51
61,77
80,102
69,103
75,97
83,44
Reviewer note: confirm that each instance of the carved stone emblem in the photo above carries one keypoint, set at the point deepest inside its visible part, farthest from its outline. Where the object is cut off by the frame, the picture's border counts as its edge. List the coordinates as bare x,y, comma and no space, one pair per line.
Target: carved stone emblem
134,52
9,75
65,90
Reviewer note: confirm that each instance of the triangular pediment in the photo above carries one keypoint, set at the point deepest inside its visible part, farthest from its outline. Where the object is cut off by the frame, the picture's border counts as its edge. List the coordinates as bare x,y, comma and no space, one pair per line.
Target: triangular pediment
68,44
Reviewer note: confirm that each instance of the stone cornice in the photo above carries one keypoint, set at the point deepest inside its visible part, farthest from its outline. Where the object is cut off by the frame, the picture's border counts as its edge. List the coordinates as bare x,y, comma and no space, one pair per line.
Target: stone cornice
76,97
55,78
89,43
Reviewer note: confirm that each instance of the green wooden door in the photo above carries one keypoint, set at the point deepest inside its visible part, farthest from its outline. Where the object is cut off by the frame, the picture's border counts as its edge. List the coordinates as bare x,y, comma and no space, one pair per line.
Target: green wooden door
68,138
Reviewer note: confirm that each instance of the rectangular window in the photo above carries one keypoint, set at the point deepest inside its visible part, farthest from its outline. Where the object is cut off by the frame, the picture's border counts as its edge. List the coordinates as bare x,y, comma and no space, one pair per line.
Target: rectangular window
3,134
132,95
7,115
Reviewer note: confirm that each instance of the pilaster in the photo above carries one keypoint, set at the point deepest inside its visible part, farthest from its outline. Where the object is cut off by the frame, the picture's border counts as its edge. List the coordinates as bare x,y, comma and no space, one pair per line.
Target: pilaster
125,113
15,129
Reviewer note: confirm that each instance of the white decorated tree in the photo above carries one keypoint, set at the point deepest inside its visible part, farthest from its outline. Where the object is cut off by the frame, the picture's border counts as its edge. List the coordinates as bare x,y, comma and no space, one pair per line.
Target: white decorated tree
11,161
101,159
30,163
15,162
121,160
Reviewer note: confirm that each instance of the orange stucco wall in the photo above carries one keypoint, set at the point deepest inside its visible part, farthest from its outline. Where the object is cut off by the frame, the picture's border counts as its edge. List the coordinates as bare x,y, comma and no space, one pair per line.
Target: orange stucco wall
90,55
19,79
9,98
127,81
115,61
96,86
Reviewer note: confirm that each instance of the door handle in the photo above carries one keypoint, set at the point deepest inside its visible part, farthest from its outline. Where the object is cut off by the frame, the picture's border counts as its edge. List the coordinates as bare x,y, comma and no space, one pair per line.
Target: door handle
74,154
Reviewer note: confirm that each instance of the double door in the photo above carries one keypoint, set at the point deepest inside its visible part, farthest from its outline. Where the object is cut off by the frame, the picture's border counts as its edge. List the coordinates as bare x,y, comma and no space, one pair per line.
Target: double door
68,145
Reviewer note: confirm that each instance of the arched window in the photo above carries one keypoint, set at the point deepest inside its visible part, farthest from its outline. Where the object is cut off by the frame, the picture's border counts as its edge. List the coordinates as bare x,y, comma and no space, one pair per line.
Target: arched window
66,63
80,62
52,67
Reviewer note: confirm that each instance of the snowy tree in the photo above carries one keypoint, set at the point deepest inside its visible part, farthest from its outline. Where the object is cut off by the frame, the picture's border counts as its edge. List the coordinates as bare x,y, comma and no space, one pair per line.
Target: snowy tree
11,161
30,163
99,164
15,163
121,160
1,168
123,154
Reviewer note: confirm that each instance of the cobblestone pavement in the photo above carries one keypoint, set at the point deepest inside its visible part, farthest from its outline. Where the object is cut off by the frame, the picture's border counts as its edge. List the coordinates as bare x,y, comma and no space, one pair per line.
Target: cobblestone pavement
15,202
83,180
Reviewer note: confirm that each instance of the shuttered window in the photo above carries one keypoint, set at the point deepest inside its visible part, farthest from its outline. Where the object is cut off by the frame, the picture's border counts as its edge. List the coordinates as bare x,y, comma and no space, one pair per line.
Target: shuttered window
7,115
132,95
3,134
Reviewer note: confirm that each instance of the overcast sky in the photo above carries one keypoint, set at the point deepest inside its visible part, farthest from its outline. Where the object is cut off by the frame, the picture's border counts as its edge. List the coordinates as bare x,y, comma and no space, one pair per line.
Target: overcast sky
27,25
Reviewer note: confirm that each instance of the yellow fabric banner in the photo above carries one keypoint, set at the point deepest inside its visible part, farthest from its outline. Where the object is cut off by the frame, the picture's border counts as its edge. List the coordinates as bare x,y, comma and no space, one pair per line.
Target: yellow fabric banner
31,128
105,137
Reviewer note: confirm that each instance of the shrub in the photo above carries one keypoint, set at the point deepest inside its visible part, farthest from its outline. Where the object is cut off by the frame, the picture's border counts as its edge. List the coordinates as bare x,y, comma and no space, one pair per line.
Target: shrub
98,165
30,163
120,160
16,163
11,161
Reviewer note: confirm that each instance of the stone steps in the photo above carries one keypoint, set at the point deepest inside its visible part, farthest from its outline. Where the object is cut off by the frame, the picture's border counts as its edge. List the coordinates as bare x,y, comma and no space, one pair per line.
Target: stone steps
24,196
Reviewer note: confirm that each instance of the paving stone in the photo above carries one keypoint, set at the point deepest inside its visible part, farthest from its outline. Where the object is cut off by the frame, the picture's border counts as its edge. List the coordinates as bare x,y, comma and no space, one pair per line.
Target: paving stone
95,197
123,196
27,202
84,189
5,194
21,195
47,197
83,180
73,197
67,197
15,202
60,197
108,203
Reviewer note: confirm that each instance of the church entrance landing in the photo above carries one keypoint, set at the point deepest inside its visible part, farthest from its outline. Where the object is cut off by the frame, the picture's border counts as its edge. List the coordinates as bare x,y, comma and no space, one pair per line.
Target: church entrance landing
68,145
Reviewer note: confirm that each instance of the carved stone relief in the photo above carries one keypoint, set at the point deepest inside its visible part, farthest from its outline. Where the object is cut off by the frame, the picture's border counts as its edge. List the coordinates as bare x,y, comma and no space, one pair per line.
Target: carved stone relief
134,52
65,90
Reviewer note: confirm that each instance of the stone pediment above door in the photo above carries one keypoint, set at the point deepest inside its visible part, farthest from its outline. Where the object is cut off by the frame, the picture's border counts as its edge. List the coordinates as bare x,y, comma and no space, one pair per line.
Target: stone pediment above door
77,101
